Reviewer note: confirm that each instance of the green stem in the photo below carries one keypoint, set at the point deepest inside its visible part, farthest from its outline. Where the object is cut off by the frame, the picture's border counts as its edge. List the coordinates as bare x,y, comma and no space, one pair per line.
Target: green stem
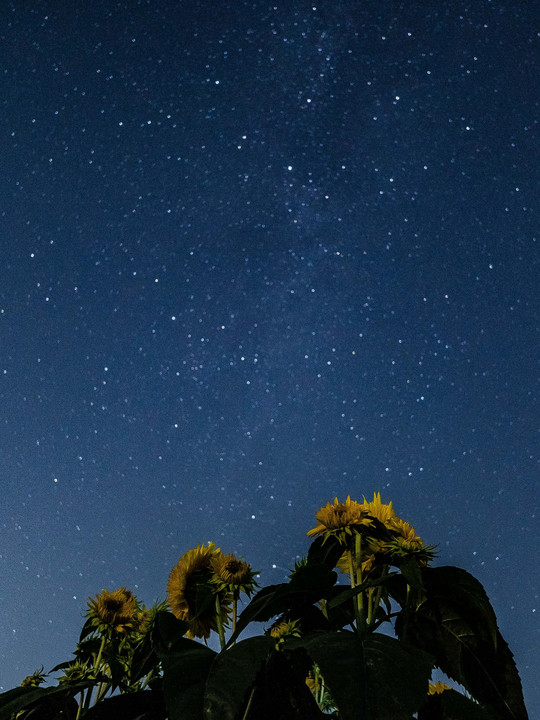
79,709
248,706
100,653
235,612
219,621
407,610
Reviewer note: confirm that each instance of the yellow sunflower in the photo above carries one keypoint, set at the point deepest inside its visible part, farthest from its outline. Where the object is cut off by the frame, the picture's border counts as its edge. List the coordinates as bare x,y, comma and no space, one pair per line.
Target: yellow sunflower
193,571
379,510
283,629
232,574
116,610
438,688
340,519
406,535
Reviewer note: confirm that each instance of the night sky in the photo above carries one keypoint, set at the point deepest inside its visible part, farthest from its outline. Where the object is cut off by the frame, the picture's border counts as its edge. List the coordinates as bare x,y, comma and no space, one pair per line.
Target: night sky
254,256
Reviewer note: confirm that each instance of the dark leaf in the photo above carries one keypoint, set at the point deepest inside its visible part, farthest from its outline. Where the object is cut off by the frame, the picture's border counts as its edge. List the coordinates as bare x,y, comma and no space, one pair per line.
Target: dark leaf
167,630
232,675
451,705
326,552
144,705
456,624
44,702
378,678
308,585
185,671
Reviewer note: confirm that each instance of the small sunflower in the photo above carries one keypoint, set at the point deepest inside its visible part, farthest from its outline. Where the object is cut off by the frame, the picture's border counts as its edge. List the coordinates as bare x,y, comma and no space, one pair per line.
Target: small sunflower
35,679
340,519
232,574
406,542
314,683
115,610
283,629
189,576
438,688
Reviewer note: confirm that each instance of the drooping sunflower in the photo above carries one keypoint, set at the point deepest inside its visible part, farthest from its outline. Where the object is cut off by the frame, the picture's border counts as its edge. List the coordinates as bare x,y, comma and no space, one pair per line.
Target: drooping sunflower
341,520
232,574
115,610
189,584
406,542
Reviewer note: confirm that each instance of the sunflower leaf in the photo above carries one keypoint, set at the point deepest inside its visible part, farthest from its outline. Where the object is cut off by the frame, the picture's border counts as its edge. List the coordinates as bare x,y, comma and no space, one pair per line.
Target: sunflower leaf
377,677
185,671
326,551
308,585
456,623
167,630
232,675
46,701
452,705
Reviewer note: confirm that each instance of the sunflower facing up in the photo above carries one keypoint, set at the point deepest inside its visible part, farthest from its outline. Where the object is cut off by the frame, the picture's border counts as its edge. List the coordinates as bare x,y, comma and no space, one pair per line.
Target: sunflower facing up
189,576
340,520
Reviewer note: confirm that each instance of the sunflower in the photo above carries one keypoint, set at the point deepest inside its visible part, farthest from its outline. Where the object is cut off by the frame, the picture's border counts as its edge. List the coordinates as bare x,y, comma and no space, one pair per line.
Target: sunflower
113,610
380,511
438,688
406,542
232,574
35,679
283,629
340,519
191,594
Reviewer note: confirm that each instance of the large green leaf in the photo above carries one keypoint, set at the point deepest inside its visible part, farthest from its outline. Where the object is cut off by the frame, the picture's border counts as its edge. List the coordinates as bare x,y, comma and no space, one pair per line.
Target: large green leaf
45,703
454,621
185,671
232,676
451,705
167,630
377,678
144,705
326,551
398,677
340,656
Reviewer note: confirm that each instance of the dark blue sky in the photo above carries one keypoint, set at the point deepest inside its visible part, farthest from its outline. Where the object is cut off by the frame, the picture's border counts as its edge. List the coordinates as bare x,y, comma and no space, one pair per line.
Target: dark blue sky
255,255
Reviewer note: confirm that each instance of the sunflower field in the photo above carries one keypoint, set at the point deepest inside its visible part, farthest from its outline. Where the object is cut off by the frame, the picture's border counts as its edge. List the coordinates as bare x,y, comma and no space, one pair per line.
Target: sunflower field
357,633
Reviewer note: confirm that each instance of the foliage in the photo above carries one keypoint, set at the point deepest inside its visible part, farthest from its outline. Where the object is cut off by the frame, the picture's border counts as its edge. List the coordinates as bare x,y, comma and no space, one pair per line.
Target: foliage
328,650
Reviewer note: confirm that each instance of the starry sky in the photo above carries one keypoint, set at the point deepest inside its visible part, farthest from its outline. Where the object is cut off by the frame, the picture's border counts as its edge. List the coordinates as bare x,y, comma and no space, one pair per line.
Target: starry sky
255,255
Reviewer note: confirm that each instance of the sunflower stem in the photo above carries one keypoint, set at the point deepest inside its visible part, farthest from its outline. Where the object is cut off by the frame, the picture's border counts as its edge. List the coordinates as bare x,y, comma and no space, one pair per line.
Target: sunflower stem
359,604
100,653
235,612
219,621
249,704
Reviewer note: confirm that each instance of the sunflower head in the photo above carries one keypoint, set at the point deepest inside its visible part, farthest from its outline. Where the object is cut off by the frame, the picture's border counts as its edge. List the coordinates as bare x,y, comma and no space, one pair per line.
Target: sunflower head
113,610
35,679
314,682
379,510
77,672
438,688
283,629
192,595
233,575
341,519
406,542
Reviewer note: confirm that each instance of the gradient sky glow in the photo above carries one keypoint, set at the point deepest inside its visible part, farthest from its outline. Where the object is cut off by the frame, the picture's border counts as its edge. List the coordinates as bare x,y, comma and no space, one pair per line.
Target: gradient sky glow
255,255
